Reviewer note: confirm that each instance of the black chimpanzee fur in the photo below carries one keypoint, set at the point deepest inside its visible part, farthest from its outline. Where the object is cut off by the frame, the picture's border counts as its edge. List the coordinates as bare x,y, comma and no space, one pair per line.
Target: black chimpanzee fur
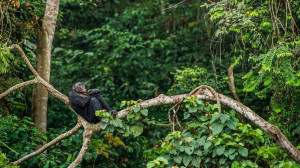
86,104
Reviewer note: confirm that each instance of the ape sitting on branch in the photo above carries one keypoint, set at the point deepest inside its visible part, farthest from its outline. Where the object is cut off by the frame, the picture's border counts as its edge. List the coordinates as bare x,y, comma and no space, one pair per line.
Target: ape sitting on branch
85,104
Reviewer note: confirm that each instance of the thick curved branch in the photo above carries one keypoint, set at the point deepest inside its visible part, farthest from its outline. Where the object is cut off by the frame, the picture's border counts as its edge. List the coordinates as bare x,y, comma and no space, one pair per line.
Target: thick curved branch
206,94
18,86
87,135
283,142
48,145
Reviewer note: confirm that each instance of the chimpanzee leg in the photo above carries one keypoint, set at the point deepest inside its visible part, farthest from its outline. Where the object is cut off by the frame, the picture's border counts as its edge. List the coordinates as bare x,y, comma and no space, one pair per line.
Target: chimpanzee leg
94,105
103,102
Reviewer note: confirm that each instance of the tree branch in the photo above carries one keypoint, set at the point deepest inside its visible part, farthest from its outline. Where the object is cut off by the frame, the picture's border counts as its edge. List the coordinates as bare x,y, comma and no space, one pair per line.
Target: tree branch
18,86
16,46
48,145
87,135
231,83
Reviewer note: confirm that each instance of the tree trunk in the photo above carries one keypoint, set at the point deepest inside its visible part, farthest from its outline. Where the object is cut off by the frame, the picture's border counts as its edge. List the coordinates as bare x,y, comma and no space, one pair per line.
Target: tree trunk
45,36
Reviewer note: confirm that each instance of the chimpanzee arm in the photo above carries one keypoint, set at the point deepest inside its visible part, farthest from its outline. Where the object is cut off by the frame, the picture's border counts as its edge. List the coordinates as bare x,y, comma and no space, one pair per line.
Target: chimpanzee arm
79,99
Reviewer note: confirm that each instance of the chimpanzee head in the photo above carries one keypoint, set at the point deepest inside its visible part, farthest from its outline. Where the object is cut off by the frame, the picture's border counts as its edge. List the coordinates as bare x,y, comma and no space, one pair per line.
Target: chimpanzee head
79,87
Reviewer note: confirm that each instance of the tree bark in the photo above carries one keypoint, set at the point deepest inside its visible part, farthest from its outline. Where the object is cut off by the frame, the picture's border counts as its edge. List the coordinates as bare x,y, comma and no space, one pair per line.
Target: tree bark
45,36
233,91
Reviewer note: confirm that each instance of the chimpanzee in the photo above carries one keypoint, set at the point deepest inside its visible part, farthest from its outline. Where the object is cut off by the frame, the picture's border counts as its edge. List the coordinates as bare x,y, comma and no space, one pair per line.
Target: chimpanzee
85,104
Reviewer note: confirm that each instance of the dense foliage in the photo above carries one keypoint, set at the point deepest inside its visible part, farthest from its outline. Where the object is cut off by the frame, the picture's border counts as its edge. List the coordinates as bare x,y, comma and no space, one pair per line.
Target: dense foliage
133,50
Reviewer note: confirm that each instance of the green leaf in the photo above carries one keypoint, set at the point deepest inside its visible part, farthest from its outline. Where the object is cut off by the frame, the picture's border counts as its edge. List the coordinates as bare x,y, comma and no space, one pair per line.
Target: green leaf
196,161
231,124
117,123
150,164
144,112
187,160
243,151
137,129
123,103
218,141
192,109
207,108
203,118
217,128
220,150
213,107
189,150
186,115
207,144
127,131
214,154
177,159
231,157
202,140
231,151
163,160
224,118
198,152
136,109
105,120
251,164
222,160
103,125
214,118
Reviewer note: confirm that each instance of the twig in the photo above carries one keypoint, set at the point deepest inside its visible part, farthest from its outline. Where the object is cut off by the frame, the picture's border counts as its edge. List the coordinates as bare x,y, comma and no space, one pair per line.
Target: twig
173,6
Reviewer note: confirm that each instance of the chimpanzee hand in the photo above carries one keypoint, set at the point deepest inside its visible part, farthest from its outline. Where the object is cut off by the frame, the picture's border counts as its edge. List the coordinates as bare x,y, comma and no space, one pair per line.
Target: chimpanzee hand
113,113
93,92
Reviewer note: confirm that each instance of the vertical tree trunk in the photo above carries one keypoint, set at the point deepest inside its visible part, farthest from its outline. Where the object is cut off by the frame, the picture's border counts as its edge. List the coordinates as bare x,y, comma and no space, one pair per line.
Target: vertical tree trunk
45,36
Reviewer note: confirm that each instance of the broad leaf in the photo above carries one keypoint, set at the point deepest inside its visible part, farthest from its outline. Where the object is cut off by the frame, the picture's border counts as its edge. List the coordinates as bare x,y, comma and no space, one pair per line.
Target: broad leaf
137,129
220,150
207,145
214,117
144,112
196,161
136,109
187,160
103,125
177,159
231,124
189,150
186,115
224,118
202,140
243,151
217,128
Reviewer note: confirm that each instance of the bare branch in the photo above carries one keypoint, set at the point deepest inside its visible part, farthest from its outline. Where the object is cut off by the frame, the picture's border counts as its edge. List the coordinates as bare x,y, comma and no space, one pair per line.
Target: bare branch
18,86
283,142
206,94
87,135
16,46
173,6
231,83
48,145
233,91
